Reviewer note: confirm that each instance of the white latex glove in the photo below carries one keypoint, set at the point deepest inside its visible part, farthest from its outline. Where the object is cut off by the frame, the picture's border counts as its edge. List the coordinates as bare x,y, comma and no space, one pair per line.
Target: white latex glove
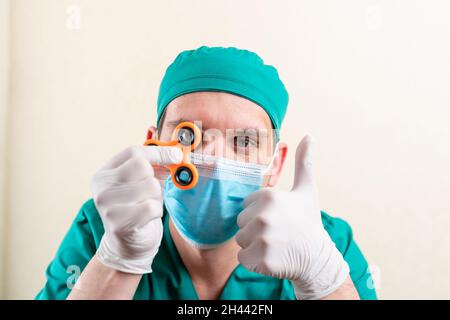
129,200
281,235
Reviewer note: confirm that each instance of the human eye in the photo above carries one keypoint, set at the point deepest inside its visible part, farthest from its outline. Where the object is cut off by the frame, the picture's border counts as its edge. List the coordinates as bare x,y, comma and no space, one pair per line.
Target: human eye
244,143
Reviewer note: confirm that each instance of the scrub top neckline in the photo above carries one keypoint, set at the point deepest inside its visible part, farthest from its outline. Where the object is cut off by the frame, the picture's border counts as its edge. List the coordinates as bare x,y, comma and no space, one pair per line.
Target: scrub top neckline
183,270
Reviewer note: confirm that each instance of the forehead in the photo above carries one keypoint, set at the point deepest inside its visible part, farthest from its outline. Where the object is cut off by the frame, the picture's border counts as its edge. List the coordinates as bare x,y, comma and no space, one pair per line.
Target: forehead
218,110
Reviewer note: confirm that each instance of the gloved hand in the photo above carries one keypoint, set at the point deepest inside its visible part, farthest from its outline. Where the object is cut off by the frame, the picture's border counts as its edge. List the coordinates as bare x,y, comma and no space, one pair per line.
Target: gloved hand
281,235
129,200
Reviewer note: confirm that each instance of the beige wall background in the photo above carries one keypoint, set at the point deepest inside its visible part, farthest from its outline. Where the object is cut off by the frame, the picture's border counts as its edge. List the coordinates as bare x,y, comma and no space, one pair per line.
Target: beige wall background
369,79
4,107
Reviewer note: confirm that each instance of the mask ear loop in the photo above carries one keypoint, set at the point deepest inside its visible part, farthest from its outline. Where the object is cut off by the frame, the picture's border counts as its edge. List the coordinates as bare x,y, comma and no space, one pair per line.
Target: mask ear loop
269,166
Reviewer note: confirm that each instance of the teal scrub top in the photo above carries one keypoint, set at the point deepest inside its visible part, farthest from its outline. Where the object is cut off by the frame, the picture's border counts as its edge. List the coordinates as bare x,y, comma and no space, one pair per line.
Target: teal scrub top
170,278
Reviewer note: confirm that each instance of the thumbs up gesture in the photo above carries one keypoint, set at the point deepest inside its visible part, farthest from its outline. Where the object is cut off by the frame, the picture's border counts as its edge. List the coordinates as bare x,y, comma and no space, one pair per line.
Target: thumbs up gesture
281,235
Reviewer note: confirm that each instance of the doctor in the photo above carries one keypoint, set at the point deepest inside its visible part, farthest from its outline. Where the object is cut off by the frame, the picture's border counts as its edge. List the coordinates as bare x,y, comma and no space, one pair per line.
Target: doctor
230,237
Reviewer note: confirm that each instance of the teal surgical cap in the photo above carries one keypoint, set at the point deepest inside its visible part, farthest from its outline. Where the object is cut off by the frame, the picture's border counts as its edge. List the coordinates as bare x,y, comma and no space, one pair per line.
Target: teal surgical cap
231,70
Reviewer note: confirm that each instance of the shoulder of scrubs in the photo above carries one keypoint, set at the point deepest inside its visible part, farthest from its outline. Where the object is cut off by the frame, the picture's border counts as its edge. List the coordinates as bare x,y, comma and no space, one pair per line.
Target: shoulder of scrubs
342,235
76,250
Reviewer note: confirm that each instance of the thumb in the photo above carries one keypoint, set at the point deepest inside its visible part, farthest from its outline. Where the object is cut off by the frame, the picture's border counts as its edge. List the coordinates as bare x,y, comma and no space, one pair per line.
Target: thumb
303,163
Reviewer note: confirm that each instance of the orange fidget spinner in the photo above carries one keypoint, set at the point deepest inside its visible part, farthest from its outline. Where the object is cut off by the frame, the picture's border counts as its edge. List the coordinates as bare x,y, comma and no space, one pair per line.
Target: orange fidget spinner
187,137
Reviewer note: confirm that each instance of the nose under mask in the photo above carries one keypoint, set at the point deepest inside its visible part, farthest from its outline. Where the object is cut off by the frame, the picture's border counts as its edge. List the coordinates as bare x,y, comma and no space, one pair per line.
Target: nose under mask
206,215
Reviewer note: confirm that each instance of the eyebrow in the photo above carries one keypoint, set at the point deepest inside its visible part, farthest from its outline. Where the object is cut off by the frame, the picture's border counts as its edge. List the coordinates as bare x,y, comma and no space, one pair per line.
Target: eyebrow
259,133
176,122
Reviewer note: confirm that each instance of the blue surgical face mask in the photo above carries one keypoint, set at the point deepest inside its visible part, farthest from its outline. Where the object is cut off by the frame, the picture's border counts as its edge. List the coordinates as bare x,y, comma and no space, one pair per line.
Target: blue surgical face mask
206,215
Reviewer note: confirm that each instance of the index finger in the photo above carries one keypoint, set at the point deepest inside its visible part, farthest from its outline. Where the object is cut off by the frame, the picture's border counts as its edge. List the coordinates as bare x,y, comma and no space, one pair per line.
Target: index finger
162,155
153,154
